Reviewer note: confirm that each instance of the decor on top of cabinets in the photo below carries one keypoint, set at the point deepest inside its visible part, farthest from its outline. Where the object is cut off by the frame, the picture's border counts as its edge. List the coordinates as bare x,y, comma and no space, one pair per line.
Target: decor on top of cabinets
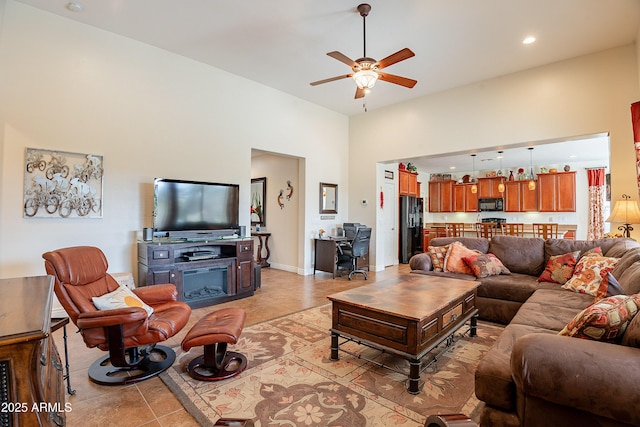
67,185
258,198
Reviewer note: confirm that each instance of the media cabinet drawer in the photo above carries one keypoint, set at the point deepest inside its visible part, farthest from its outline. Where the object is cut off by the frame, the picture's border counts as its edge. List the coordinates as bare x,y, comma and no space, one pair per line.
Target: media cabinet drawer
160,254
245,247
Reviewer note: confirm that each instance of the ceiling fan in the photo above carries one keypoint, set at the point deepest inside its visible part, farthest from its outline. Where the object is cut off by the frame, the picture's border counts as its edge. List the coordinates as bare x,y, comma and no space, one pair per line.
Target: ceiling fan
366,71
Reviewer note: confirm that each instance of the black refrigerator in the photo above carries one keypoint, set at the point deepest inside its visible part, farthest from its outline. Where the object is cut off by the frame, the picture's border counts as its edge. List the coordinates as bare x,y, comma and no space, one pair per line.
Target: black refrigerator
411,223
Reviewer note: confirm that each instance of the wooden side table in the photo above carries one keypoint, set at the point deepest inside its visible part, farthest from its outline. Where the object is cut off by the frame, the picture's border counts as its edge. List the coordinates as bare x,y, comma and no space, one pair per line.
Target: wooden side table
262,262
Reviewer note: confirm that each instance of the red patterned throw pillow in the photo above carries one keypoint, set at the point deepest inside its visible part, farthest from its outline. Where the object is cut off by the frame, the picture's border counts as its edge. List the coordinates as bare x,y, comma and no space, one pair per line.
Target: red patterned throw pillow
437,254
560,268
590,276
484,265
605,320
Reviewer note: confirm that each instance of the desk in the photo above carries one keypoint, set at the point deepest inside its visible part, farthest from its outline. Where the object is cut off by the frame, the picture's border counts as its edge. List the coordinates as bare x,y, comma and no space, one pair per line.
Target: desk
262,262
326,256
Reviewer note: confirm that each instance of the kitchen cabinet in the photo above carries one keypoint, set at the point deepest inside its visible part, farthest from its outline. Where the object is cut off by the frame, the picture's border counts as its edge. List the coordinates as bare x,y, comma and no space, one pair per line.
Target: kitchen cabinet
488,187
463,199
408,183
518,197
557,192
441,196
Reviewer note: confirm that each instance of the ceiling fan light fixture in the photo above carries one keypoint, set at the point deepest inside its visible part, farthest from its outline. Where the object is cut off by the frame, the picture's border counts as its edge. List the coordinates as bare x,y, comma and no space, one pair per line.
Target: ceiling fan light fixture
365,79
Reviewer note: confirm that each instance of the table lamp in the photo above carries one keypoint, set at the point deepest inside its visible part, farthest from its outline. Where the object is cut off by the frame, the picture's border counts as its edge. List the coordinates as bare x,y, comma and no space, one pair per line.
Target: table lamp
627,212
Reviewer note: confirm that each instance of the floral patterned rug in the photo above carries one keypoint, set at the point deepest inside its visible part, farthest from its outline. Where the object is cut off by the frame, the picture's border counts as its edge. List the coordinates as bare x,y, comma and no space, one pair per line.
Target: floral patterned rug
291,381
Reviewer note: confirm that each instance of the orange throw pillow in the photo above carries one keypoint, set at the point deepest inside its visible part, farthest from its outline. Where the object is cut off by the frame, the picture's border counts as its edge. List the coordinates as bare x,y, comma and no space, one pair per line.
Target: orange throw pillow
454,260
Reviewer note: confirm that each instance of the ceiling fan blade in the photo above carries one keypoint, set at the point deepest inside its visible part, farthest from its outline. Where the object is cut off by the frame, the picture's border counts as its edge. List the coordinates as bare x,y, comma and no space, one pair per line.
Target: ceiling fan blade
342,58
402,81
400,55
319,82
360,93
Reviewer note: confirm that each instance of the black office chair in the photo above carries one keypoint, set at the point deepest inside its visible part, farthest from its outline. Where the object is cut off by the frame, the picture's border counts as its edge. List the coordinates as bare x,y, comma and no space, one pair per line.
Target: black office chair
348,254
350,229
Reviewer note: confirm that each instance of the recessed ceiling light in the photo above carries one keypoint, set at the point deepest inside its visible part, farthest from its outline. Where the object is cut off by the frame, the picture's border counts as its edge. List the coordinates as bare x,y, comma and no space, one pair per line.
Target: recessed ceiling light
75,7
452,167
529,40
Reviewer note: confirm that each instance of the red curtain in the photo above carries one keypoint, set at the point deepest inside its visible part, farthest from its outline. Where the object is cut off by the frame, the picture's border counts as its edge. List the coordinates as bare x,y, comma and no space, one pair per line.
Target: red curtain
595,228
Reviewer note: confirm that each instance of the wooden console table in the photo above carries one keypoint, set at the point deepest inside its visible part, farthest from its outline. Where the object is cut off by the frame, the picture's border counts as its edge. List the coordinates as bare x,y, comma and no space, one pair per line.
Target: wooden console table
31,372
262,262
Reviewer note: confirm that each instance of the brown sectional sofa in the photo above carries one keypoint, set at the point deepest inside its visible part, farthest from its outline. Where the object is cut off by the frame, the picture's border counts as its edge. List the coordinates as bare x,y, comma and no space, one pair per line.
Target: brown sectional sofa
532,376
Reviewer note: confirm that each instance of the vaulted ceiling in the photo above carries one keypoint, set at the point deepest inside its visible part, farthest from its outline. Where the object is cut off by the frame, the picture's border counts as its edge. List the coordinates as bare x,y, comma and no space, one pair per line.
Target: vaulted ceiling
283,43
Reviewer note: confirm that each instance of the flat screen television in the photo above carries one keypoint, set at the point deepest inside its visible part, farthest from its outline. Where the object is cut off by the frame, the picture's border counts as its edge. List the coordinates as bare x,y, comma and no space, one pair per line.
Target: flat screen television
194,206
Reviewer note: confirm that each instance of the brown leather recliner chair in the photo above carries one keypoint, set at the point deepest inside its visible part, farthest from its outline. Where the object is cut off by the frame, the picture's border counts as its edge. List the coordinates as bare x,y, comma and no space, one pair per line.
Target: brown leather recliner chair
129,334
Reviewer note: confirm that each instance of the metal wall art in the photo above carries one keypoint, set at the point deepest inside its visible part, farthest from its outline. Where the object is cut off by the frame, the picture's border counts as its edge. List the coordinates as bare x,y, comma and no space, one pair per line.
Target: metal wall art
60,184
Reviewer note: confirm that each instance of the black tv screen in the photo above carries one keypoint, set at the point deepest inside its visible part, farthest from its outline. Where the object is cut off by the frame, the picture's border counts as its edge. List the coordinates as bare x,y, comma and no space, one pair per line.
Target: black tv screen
191,205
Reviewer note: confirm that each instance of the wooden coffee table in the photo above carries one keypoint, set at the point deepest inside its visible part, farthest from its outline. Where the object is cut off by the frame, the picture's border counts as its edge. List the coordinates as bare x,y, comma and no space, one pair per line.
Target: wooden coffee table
408,315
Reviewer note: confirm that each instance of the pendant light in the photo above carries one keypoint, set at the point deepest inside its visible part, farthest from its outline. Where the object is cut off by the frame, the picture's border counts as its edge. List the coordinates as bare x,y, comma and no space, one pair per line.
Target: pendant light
532,182
501,185
474,187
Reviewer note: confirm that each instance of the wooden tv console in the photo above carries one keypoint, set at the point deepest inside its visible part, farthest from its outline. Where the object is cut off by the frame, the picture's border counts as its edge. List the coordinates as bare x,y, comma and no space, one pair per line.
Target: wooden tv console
205,272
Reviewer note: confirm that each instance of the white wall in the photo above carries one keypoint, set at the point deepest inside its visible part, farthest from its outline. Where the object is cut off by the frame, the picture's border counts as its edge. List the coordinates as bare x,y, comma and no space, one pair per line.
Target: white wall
581,96
282,223
150,113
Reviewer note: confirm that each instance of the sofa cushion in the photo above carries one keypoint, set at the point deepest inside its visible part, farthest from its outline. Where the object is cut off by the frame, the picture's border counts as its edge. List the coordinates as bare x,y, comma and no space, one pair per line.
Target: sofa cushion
484,265
562,246
630,279
476,243
590,276
493,382
421,262
626,260
631,336
551,309
519,254
605,320
619,247
514,287
454,260
559,268
437,255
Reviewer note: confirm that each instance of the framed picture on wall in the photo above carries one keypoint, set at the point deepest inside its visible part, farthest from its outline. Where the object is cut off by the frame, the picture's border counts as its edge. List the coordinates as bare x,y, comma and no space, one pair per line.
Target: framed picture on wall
258,201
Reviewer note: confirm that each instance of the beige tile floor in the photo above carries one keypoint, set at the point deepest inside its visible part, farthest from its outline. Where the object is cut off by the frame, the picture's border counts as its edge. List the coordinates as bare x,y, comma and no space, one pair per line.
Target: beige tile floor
150,403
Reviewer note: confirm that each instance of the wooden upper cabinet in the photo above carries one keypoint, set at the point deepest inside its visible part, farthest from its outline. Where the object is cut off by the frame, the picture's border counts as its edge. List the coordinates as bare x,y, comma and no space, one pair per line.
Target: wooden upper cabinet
408,183
488,187
463,199
557,192
518,197
441,196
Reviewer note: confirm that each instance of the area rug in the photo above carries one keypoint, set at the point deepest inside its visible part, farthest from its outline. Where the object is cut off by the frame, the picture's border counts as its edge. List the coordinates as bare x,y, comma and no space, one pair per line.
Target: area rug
291,381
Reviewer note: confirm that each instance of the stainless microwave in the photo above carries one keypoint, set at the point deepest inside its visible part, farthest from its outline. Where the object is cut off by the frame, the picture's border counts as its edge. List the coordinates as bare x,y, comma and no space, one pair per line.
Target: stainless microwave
490,205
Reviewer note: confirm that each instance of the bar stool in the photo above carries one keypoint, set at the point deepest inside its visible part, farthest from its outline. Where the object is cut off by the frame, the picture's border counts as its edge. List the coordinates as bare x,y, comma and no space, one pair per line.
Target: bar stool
454,229
512,229
545,230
